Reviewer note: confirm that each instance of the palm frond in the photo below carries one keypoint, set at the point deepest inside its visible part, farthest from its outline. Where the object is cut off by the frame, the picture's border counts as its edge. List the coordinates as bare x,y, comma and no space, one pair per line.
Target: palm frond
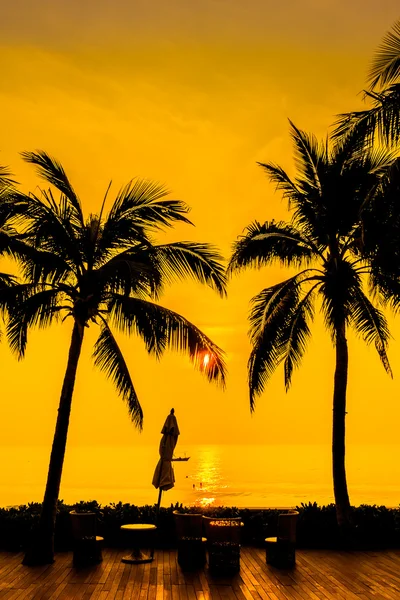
45,267
6,180
133,271
381,223
386,113
12,244
13,294
37,266
161,328
8,283
360,124
12,207
283,182
385,68
143,201
201,262
116,235
52,171
372,325
265,243
28,309
308,155
349,145
109,358
47,231
382,119
386,286
144,268
378,161
305,200
270,322
299,334
139,208
362,178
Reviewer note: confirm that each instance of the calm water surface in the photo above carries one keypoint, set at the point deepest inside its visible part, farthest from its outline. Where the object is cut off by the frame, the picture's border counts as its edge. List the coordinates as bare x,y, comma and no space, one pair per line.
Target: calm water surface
243,476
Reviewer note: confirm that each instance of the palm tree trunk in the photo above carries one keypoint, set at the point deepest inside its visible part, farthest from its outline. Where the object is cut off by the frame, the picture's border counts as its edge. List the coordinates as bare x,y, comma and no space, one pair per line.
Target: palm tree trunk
42,550
338,435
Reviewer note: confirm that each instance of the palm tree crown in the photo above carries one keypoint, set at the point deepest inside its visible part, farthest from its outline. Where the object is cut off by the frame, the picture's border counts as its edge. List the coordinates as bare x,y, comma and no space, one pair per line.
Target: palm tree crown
327,199
107,270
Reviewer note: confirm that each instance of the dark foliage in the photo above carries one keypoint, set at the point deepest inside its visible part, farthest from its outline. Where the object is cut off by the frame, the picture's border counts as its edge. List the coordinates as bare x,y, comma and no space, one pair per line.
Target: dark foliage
375,526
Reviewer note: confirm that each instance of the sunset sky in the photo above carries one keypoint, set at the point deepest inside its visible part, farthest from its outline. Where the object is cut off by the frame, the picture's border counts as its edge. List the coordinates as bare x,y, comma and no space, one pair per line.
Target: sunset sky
190,94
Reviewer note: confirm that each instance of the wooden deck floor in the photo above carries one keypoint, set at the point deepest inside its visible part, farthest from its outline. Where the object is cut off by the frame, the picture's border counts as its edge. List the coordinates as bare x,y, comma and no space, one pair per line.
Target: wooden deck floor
318,574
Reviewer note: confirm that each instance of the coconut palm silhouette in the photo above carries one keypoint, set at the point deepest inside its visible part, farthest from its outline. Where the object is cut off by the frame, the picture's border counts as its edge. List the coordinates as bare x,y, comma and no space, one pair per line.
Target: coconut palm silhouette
104,270
328,196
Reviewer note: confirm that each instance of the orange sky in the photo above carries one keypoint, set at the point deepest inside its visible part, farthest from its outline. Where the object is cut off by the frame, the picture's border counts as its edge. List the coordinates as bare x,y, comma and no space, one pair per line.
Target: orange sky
191,95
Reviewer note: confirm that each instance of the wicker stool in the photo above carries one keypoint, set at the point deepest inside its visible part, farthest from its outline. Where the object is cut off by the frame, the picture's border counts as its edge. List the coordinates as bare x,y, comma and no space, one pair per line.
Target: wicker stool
223,544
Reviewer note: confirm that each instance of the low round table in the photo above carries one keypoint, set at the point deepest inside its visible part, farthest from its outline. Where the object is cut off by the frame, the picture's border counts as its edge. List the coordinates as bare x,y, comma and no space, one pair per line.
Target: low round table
139,533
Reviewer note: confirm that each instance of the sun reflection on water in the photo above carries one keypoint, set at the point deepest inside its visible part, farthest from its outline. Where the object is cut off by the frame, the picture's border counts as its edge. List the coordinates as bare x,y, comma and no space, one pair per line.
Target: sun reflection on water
207,477
204,502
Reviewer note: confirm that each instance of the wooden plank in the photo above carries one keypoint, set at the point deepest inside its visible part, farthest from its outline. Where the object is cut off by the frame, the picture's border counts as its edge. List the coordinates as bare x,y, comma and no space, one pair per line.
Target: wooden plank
138,582
319,575
166,580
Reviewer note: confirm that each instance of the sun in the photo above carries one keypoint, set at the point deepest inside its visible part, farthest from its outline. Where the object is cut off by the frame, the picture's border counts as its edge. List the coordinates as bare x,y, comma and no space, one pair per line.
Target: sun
206,360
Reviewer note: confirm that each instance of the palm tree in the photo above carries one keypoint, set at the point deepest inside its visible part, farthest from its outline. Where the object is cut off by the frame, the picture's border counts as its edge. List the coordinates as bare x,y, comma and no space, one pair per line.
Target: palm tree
105,270
383,118
322,241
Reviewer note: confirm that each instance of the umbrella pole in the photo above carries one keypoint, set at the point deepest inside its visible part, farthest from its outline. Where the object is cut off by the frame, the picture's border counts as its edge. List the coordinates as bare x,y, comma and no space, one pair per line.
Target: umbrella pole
159,495
158,505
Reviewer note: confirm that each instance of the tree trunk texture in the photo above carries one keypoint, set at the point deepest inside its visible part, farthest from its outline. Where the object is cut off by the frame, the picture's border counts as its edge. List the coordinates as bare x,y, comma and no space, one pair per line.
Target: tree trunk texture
42,549
342,501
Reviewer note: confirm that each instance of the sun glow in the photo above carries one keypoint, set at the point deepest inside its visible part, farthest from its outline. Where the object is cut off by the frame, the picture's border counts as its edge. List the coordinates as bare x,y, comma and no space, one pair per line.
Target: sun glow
206,360
205,501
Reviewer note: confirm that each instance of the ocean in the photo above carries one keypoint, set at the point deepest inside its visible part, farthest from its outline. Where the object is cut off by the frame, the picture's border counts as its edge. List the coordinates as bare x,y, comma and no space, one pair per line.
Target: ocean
228,475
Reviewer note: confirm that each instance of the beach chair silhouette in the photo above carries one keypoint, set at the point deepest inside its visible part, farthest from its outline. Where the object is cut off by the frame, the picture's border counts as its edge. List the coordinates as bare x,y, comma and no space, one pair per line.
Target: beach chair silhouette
87,545
281,550
191,543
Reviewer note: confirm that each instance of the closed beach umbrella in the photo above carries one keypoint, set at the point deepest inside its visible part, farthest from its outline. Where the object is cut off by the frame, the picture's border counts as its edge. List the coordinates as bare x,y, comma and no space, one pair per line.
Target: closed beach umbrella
164,478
